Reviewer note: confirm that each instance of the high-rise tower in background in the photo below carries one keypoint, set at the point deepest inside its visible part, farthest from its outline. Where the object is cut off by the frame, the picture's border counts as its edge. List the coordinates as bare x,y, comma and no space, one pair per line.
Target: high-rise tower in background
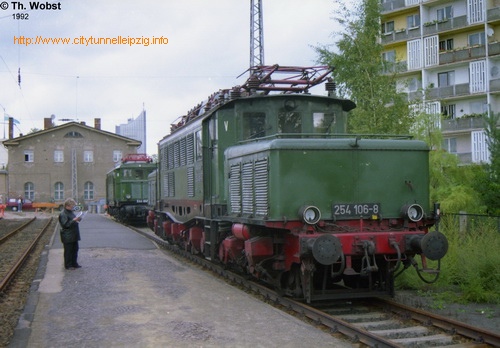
135,129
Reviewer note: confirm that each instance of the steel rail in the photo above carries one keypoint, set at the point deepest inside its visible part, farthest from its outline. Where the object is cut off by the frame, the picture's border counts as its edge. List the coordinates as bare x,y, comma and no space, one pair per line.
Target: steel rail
3,239
13,271
475,333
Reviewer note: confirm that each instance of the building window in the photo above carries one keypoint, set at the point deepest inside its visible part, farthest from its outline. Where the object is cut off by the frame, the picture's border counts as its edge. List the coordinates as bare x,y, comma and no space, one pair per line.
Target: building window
480,150
478,107
475,11
414,52
477,39
431,50
413,84
449,111
446,45
29,156
88,156
88,191
389,56
58,156
477,76
450,145
73,134
388,27
446,79
413,21
117,156
59,191
29,191
444,13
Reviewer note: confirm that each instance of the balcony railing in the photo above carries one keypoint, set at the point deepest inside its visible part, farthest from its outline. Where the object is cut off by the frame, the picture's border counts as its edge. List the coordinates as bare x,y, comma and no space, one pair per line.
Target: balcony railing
463,54
451,23
401,35
465,157
462,123
493,14
393,5
449,91
495,85
494,48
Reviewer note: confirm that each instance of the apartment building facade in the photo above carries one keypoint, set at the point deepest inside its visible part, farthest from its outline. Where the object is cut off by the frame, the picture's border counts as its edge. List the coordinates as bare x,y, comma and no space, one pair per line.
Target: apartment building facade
66,161
447,54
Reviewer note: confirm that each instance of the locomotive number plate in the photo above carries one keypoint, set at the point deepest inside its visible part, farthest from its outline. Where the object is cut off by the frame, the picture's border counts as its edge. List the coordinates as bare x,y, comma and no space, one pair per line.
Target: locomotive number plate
356,209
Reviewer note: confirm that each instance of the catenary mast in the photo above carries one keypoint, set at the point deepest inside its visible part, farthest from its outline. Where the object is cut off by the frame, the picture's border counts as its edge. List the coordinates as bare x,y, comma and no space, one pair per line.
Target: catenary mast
256,35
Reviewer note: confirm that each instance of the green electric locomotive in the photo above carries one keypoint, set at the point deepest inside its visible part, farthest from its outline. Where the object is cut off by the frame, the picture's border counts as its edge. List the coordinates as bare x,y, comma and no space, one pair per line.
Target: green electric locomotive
127,190
264,178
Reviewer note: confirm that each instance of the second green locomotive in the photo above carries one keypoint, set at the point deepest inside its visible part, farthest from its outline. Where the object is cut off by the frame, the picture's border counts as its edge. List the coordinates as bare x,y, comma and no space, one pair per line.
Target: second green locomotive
127,188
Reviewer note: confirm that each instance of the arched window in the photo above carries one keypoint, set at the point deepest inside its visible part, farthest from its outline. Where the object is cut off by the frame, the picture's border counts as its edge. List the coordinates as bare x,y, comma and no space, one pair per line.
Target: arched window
73,134
88,191
29,190
59,191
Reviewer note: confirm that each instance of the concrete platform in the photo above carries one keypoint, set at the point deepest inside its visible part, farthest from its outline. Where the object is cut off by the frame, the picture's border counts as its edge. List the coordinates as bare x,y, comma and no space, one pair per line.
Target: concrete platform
129,293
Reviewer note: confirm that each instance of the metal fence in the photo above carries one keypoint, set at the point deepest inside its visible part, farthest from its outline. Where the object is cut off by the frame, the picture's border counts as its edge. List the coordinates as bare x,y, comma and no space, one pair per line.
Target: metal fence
475,222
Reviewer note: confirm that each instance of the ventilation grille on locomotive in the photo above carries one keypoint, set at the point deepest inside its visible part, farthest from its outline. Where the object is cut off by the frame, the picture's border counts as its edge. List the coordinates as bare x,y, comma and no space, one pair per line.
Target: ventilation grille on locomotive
235,189
249,188
190,182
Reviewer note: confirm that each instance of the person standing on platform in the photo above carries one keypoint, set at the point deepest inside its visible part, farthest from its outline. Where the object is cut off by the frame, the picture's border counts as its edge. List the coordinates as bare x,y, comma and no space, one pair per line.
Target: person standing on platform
70,234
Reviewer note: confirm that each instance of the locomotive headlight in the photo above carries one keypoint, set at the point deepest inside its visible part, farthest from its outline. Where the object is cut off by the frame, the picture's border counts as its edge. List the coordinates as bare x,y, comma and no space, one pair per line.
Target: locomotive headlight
414,212
127,196
310,214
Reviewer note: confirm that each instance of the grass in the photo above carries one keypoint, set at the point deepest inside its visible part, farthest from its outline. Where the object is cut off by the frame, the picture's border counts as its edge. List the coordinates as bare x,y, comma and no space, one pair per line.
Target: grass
470,271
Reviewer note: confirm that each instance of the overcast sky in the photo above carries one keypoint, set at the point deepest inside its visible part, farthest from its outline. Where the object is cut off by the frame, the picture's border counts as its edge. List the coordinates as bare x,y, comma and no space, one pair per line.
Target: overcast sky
208,48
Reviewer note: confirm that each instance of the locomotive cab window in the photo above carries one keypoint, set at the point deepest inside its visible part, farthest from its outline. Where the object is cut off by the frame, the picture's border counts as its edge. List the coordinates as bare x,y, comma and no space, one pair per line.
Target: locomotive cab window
289,122
198,146
323,123
254,125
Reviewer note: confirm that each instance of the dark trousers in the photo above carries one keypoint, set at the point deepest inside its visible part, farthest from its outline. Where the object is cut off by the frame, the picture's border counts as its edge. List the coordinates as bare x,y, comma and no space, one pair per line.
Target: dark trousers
70,254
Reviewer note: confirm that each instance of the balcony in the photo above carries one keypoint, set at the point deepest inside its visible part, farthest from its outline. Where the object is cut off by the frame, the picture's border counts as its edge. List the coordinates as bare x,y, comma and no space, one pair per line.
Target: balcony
494,48
400,35
449,24
392,5
493,14
417,95
395,67
449,91
462,124
465,157
495,85
460,55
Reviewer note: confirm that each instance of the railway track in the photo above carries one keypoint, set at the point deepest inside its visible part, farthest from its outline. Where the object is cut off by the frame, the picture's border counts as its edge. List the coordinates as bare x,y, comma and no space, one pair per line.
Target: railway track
372,322
17,240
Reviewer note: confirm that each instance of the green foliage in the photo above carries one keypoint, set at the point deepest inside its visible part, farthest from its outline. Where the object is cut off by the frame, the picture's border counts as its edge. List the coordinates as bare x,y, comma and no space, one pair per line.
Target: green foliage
363,76
469,271
452,184
488,185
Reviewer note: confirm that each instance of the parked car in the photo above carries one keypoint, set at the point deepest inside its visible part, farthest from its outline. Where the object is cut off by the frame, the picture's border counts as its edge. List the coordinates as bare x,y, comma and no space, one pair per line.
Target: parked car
12,204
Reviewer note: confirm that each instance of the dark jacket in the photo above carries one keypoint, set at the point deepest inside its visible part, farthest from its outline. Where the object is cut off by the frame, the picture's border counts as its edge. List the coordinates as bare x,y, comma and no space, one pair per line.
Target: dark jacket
70,231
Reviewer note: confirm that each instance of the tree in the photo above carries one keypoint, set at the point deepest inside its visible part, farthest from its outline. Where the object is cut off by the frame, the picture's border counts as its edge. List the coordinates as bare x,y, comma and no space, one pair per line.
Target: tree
489,183
363,76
